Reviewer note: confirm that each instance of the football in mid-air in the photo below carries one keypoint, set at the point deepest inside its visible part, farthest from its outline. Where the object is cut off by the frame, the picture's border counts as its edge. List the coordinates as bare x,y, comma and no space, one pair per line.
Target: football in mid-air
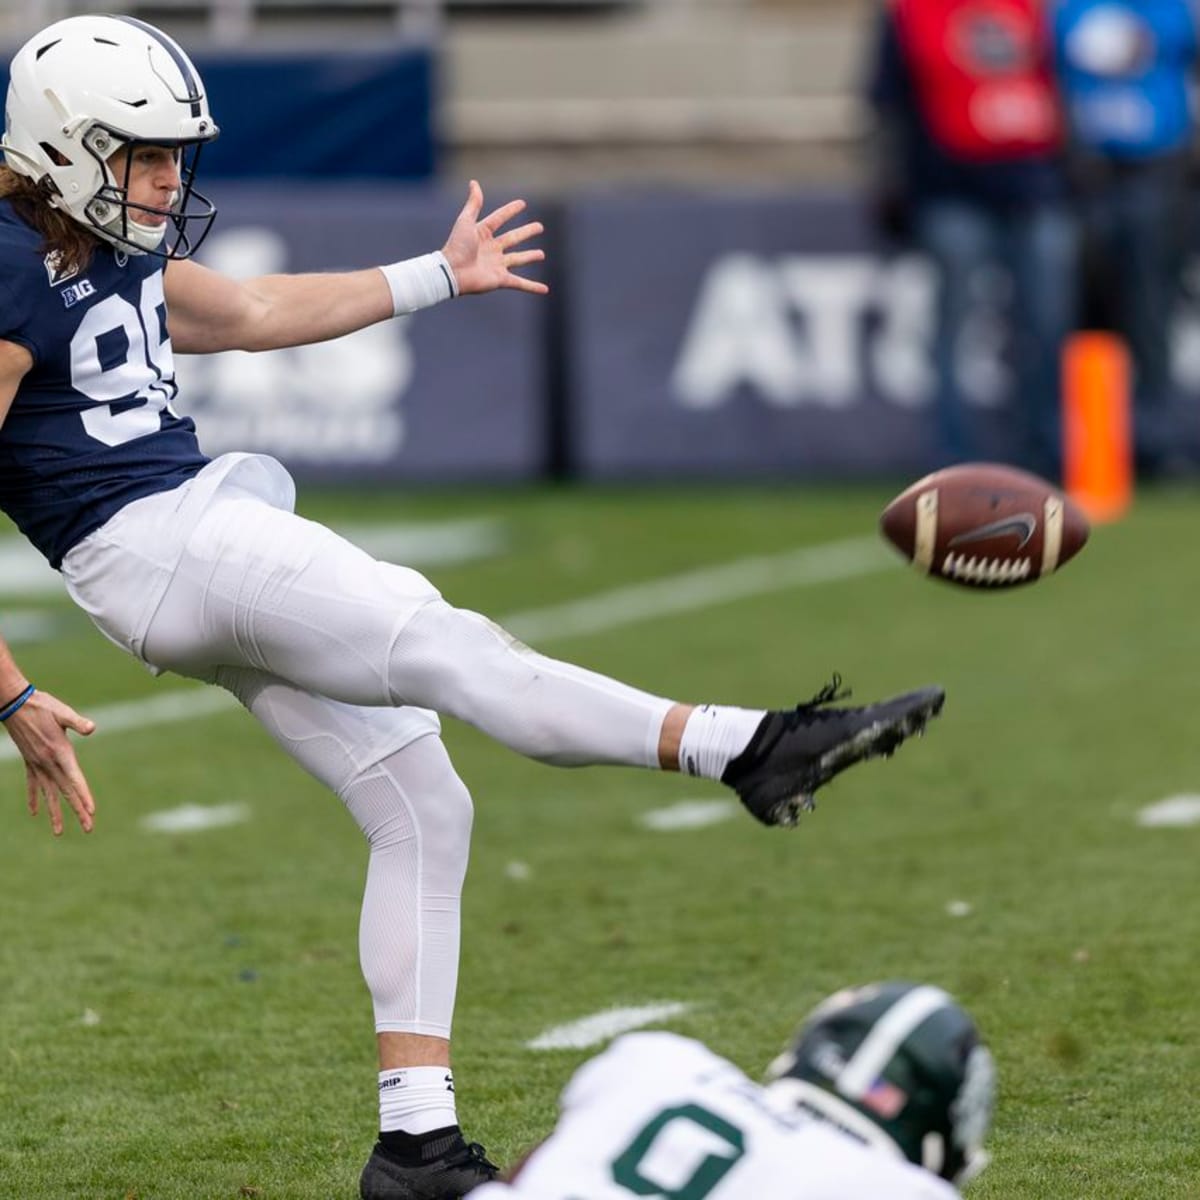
985,525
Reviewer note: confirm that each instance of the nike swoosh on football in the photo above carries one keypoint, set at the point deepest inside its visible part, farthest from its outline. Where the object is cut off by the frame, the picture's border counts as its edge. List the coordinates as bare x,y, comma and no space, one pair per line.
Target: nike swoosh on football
1024,525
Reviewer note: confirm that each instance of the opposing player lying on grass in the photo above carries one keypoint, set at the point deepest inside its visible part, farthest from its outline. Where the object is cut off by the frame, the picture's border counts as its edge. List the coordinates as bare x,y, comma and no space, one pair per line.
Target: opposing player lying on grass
886,1091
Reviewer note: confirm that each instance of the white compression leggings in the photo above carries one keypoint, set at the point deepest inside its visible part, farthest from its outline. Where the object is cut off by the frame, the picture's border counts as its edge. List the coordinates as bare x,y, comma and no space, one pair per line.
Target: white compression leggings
416,815
323,645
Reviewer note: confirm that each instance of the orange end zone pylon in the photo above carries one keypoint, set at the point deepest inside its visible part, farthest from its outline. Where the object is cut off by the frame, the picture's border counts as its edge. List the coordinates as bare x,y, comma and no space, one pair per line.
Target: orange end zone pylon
1098,424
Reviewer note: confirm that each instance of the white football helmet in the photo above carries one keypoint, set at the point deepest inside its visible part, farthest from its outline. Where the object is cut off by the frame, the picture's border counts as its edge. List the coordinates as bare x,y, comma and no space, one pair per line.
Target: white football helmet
83,89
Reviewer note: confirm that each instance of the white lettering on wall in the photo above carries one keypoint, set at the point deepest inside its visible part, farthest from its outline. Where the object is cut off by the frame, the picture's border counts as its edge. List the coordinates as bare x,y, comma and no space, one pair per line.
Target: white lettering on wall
333,402
826,330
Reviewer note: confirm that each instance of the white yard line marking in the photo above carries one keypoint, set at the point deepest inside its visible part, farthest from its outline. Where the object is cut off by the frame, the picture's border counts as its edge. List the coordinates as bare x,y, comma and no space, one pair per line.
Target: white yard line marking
1174,811
194,818
687,592
433,543
23,571
183,704
602,1026
688,814
703,588
20,626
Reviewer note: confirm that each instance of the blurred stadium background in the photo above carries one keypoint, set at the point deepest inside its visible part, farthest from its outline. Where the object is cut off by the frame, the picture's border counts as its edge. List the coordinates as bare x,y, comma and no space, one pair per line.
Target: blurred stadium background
745,370
720,306
723,305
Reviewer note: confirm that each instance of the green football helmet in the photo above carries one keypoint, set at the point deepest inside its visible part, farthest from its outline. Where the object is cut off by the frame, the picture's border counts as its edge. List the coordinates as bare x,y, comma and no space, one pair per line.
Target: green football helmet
899,1065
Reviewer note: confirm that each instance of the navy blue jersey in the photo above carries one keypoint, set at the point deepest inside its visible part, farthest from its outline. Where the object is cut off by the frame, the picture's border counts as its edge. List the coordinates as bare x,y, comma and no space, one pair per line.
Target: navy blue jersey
91,427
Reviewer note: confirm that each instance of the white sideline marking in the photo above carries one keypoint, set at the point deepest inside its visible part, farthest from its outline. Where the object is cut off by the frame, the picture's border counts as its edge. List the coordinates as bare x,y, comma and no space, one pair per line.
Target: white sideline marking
1174,811
194,818
688,814
686,592
601,1026
431,543
23,571
23,625
704,588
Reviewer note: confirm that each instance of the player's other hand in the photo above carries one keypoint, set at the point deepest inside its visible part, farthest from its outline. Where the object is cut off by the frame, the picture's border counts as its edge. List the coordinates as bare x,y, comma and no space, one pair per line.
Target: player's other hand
482,256
52,772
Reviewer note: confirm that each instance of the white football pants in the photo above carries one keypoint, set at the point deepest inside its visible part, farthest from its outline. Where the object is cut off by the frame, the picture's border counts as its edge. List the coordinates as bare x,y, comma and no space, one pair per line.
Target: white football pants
342,658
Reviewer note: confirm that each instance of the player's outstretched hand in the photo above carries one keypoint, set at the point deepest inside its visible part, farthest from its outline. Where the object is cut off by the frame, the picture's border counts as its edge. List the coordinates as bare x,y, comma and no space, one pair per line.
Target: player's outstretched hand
482,257
52,771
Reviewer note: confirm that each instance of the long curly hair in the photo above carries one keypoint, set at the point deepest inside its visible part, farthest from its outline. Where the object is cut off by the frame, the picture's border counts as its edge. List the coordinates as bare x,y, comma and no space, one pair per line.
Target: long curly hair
67,239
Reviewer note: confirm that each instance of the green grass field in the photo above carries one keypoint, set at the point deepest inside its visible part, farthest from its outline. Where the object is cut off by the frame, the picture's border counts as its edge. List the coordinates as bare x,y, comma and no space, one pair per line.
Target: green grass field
181,1016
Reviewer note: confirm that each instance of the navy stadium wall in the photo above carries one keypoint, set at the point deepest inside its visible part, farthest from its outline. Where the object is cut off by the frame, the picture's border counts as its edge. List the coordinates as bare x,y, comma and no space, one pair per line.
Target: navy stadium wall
351,114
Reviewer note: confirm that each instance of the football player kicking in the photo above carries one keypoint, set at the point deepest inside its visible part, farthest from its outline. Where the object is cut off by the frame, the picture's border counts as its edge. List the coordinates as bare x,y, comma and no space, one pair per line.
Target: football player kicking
200,566
886,1091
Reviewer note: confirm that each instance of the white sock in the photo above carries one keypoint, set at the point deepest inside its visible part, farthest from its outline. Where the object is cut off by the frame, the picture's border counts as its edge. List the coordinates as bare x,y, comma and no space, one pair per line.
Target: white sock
715,735
416,1099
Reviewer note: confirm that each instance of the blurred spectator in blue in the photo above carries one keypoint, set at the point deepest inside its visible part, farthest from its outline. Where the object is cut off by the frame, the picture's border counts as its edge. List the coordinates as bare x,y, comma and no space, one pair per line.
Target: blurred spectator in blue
969,165
1125,69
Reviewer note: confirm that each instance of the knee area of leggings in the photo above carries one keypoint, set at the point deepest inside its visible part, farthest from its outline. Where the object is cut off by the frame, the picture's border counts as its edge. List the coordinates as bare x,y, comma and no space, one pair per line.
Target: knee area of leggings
434,805
450,813
408,589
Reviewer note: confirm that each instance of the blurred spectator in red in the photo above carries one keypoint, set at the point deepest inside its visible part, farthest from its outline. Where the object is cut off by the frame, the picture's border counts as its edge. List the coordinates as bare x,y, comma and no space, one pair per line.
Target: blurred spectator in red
970,166
1125,68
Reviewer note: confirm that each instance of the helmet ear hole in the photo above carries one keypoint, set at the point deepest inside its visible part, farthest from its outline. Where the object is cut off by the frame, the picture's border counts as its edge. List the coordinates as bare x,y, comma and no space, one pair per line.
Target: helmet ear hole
56,156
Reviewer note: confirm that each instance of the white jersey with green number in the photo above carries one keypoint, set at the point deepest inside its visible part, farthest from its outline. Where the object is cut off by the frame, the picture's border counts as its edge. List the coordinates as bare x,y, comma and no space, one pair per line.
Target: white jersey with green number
662,1117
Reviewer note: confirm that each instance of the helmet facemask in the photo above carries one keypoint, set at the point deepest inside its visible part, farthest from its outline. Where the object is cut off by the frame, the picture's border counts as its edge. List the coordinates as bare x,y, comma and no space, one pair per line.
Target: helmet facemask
114,216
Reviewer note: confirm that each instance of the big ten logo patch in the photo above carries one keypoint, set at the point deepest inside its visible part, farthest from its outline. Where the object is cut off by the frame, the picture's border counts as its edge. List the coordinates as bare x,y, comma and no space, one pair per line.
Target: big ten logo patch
73,293
829,330
335,403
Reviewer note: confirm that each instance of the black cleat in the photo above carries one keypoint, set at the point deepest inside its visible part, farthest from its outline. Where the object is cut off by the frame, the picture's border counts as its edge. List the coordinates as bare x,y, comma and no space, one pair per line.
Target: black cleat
449,1168
793,753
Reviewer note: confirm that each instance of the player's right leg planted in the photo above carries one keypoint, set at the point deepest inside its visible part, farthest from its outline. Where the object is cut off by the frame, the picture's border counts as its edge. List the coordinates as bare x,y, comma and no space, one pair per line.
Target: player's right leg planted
794,752
441,1170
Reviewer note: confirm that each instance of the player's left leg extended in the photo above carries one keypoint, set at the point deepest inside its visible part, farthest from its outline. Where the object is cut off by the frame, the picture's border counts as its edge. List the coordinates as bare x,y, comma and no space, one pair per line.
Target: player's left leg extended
262,587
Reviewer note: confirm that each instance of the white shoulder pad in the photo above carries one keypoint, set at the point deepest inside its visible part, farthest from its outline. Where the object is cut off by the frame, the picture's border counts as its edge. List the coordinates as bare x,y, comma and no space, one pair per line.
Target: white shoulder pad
634,1057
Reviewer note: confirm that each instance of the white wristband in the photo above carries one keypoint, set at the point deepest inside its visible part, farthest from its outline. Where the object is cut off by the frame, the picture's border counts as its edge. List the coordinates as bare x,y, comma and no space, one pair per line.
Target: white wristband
420,282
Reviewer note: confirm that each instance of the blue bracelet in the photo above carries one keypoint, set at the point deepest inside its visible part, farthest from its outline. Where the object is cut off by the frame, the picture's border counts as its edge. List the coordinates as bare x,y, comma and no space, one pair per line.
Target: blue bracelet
13,705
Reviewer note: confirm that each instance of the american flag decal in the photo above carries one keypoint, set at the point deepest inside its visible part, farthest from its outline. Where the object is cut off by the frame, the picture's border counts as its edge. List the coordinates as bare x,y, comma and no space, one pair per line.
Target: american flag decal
885,1099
